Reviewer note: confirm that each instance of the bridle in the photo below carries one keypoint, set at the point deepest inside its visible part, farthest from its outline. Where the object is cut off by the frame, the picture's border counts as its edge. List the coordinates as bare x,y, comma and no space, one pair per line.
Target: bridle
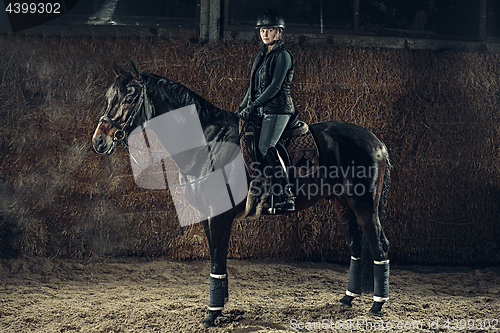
121,136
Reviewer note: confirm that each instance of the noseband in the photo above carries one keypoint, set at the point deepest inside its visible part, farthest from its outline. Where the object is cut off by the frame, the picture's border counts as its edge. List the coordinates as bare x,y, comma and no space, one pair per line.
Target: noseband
121,136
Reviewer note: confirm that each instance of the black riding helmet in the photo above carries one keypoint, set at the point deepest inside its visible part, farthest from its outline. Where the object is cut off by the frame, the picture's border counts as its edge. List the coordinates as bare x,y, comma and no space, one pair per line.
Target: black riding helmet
270,18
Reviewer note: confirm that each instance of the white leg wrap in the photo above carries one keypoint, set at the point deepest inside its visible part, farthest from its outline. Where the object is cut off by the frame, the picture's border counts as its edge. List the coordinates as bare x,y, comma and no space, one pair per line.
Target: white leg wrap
381,279
380,299
354,288
218,291
348,293
216,309
218,276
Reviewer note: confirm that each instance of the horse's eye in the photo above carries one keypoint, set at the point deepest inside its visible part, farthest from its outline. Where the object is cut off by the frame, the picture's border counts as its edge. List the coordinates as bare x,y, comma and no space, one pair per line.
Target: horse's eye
129,99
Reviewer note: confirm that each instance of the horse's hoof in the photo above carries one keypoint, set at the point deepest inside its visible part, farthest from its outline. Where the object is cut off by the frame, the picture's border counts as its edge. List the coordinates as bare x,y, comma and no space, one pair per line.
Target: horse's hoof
206,324
376,310
209,320
346,301
375,314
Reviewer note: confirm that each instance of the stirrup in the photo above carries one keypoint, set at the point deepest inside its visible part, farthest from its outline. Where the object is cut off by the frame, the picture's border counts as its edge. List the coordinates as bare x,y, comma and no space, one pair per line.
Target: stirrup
283,202
286,201
287,205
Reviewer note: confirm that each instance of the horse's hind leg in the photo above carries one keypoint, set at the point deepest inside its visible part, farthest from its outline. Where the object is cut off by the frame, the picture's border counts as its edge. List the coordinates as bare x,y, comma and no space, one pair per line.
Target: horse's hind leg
367,208
368,217
349,222
379,245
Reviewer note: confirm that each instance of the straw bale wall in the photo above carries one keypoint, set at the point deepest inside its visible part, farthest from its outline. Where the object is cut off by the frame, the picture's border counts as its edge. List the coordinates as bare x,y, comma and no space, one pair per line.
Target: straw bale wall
436,111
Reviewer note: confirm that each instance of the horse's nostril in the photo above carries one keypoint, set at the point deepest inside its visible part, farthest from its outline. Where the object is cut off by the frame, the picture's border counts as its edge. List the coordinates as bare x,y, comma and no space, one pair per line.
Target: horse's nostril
98,142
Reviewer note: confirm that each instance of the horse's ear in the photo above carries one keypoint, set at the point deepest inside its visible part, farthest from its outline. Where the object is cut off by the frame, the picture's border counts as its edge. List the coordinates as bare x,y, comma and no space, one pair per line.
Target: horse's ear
117,70
135,72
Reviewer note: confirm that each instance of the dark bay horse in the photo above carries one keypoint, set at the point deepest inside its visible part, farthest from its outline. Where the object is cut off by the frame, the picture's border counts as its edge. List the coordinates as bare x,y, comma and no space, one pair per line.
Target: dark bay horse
354,175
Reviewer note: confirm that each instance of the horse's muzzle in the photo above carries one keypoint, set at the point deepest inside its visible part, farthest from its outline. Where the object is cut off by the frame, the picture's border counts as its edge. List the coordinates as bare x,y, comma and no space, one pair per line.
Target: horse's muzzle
101,146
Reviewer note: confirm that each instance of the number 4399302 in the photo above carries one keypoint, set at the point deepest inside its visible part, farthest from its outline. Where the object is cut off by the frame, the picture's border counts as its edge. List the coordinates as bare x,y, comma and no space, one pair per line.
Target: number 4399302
33,8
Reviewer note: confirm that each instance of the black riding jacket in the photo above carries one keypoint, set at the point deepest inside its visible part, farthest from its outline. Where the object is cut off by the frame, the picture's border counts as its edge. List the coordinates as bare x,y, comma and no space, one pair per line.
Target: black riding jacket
273,96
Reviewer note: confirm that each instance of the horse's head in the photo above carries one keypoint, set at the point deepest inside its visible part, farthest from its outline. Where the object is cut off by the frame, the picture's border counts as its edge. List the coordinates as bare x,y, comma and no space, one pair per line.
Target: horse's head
128,107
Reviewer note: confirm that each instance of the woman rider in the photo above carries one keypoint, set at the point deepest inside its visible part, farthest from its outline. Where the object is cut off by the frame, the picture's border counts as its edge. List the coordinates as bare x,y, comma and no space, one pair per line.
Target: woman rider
268,100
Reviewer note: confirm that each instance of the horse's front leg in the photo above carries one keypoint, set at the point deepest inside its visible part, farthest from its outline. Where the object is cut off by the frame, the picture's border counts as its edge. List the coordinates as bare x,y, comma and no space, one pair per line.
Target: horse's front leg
218,233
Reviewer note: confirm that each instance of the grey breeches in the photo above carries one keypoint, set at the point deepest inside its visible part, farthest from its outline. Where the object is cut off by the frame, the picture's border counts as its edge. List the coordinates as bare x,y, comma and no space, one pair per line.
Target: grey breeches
273,126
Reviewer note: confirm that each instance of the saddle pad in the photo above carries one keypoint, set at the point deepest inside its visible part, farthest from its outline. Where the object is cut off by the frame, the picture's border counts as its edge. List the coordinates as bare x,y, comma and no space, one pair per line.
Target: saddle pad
298,142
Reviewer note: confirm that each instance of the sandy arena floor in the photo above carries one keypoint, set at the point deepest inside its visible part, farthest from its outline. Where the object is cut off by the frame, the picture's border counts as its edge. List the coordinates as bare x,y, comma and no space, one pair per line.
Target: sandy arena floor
138,295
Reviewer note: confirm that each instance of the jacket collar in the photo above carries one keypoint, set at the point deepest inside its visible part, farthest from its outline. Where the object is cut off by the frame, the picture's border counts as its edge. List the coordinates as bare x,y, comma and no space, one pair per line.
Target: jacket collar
277,46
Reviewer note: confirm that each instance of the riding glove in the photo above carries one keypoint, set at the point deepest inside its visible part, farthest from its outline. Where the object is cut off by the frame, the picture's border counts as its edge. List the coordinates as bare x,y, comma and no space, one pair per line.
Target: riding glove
245,112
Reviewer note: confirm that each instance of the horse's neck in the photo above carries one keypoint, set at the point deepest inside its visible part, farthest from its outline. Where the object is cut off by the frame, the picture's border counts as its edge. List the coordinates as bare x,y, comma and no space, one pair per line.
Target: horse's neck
218,127
214,121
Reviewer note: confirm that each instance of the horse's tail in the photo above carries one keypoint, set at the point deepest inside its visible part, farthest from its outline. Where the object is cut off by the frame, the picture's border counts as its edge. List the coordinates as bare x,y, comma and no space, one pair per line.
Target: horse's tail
367,276
385,191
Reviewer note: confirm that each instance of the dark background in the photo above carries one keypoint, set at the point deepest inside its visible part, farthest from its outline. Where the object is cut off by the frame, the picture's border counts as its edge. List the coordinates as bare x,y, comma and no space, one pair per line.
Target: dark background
437,111
451,19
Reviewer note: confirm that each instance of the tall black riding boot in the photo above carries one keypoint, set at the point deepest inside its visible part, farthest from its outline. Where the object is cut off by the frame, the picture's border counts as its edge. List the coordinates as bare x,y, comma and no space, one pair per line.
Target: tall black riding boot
280,186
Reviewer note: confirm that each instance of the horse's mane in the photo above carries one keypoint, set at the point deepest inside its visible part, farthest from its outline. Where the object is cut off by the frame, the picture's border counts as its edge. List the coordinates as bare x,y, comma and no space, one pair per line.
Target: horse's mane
180,96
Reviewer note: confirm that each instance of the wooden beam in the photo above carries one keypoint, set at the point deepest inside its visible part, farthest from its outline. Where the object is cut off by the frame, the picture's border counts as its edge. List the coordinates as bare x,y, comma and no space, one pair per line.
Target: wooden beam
226,14
356,16
210,19
214,20
482,20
